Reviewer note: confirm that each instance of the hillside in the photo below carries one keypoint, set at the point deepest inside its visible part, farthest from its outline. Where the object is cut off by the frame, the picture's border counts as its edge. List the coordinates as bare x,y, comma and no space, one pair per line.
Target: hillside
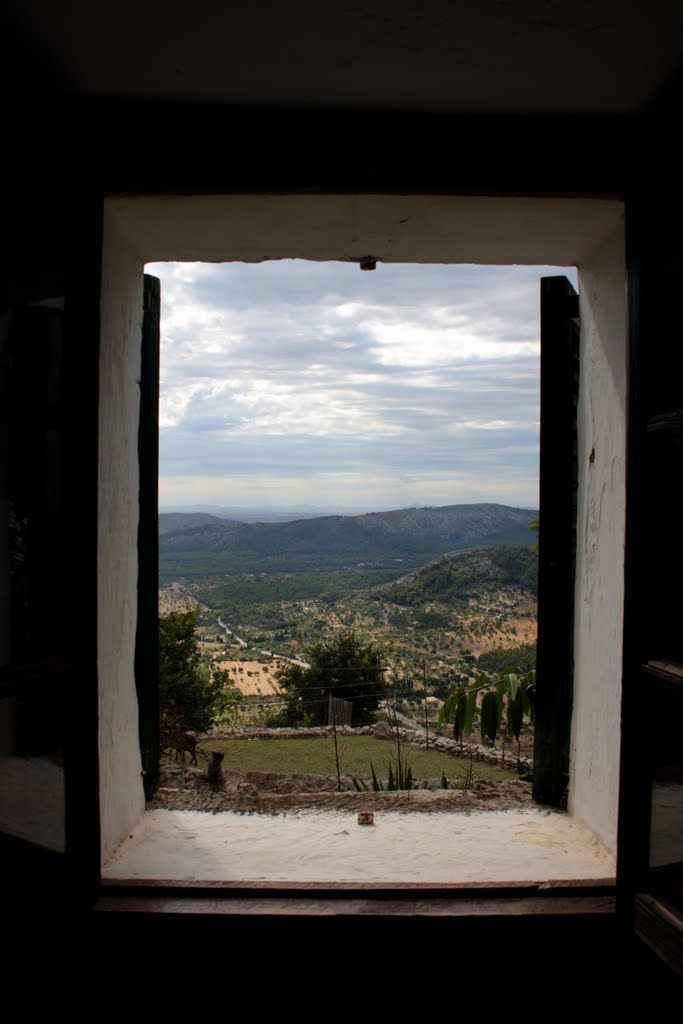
432,623
198,543
463,575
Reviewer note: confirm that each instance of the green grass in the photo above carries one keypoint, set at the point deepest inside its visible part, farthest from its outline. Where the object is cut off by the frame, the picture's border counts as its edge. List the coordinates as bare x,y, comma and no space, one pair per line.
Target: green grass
356,752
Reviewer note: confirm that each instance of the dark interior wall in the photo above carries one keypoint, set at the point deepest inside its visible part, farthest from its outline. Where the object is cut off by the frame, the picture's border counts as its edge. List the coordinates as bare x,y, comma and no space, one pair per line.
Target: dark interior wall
653,707
164,147
49,297
63,157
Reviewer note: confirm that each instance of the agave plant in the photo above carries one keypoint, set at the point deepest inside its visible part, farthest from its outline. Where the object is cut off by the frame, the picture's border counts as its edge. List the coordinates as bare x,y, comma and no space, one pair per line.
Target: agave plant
402,778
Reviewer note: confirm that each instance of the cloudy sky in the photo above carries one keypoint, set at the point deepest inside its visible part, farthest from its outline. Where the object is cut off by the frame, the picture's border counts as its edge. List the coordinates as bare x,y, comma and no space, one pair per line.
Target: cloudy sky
294,382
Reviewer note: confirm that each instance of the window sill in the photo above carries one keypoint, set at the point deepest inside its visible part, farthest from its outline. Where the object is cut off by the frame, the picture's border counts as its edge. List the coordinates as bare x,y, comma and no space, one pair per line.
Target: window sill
531,850
342,904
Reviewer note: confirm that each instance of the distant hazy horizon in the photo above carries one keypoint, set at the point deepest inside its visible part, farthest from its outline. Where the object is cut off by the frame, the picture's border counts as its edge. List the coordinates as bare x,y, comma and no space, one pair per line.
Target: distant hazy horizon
292,384
286,513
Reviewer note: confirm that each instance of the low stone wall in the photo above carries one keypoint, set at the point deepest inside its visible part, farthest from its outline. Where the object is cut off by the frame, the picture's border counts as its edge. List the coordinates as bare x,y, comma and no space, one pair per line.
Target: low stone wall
382,730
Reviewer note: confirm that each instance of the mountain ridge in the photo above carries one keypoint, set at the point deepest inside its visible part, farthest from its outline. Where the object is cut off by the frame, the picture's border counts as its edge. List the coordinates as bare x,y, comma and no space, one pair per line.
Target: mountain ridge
413,535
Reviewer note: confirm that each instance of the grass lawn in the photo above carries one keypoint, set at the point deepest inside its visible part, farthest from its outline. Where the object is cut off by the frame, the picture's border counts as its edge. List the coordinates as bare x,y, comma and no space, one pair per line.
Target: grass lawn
355,752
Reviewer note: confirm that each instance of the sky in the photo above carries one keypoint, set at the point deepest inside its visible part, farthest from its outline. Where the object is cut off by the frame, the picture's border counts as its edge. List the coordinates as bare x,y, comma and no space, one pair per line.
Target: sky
299,383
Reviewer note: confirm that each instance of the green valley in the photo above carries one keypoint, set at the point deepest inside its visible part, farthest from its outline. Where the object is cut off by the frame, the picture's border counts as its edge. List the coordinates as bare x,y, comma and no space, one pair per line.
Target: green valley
433,617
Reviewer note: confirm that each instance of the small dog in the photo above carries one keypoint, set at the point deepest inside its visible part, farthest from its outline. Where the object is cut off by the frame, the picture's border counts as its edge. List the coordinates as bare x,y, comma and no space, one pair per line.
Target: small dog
214,772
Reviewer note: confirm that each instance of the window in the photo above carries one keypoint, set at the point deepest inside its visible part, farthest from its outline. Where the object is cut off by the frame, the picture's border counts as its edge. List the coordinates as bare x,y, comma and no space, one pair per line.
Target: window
583,232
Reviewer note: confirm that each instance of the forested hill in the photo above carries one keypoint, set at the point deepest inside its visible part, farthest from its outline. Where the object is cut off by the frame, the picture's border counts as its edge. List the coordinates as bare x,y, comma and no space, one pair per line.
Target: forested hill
200,543
464,574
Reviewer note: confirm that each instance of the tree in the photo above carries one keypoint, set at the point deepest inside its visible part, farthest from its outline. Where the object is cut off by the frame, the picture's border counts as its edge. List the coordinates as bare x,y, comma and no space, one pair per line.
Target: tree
342,667
190,697
497,659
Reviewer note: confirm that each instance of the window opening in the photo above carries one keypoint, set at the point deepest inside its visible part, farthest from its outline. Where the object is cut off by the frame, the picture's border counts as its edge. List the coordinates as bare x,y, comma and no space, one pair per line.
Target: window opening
361,398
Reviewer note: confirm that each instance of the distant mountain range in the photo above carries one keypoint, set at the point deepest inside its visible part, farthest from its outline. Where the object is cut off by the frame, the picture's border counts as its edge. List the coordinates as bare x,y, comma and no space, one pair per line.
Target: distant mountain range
414,535
268,513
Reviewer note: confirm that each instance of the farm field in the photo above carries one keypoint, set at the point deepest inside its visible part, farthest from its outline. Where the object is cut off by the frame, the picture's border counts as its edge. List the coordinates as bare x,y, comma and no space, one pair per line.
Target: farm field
252,678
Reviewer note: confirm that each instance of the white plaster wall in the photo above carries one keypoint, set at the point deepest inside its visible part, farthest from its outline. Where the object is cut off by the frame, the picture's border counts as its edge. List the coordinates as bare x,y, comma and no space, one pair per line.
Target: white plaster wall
595,738
398,229
122,800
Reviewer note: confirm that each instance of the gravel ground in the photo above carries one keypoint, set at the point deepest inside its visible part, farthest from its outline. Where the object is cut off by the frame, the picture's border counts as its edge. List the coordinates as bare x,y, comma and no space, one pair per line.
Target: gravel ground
188,789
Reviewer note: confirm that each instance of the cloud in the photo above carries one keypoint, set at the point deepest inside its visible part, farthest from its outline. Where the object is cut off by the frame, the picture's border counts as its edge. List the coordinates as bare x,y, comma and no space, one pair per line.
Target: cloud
409,384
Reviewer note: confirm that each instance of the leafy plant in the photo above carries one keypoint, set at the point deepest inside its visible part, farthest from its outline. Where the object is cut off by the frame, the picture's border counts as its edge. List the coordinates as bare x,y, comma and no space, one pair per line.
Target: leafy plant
403,779
534,527
466,776
505,702
516,693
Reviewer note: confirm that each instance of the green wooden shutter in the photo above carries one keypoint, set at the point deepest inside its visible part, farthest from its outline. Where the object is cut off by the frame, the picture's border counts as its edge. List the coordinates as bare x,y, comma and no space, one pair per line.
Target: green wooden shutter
147,636
557,536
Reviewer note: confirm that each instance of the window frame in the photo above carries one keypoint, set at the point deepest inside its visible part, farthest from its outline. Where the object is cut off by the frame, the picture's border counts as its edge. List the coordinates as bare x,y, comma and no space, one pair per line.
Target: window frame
155,256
